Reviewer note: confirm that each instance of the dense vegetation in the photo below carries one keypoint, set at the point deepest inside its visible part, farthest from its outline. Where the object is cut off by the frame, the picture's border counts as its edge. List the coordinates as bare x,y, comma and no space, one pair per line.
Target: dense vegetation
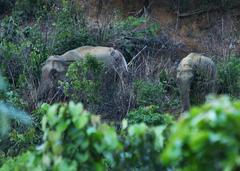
142,129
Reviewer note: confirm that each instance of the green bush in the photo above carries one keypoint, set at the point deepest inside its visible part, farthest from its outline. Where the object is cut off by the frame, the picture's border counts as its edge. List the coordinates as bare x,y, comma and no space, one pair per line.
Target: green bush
229,77
88,144
206,138
26,161
8,112
162,93
149,115
125,33
149,93
125,28
73,138
77,140
29,9
137,29
21,138
22,52
69,28
23,48
84,80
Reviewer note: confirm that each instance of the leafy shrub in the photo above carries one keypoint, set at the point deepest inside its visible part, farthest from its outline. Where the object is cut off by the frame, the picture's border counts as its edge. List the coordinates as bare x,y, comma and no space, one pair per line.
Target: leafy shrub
13,97
76,140
171,92
21,53
229,76
142,146
29,9
26,161
149,115
162,93
124,33
96,86
84,80
21,138
70,29
88,144
134,31
15,134
149,93
125,28
206,138
9,112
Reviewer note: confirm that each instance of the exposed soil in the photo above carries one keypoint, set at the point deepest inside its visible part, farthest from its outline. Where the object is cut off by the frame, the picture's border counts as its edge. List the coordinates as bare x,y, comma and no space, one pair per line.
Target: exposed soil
214,33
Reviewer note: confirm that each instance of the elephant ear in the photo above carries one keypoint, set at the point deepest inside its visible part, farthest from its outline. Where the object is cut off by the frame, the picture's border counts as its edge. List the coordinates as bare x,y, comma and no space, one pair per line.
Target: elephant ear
185,74
53,74
58,66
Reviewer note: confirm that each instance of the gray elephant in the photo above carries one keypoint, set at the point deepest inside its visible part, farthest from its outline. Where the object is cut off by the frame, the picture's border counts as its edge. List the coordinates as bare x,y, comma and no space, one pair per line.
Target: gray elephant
196,74
55,67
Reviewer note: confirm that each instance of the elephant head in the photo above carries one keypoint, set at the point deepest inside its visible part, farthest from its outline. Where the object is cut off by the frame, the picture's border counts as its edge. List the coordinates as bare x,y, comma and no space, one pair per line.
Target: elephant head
52,71
184,80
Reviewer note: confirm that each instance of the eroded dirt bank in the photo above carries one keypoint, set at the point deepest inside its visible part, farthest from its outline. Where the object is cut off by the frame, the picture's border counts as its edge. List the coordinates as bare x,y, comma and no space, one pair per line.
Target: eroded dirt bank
210,31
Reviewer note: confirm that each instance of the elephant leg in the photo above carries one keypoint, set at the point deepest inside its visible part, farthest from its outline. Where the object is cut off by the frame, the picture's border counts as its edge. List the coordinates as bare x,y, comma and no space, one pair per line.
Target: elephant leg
184,96
184,88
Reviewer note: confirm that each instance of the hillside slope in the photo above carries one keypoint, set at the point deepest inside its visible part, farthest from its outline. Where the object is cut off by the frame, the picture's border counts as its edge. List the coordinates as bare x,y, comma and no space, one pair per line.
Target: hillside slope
211,30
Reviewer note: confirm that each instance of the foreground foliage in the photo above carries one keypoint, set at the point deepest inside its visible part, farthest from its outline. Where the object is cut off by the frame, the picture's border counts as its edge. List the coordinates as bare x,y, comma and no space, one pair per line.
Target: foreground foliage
76,140
206,138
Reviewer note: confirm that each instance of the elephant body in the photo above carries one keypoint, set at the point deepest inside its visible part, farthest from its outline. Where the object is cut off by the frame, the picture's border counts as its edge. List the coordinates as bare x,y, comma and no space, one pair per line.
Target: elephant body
196,74
55,67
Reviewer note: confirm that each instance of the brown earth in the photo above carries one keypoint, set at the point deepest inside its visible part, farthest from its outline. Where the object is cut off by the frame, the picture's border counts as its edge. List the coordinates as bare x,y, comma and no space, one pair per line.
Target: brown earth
213,33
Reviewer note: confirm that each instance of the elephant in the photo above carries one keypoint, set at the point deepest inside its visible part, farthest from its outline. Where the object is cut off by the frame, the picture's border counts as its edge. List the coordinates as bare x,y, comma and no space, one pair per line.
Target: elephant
55,67
196,73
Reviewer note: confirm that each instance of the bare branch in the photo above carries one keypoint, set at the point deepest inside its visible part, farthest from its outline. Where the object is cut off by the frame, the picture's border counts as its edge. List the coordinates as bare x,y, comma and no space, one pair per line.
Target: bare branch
137,55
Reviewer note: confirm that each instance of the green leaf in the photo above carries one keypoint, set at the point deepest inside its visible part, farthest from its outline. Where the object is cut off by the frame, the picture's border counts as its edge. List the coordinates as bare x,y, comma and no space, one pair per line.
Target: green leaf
159,138
62,126
52,114
83,157
137,129
110,139
81,121
198,140
75,109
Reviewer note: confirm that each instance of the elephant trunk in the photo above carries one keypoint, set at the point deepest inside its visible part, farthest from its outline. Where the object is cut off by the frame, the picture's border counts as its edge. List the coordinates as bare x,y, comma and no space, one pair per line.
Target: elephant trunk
185,97
184,87
43,89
